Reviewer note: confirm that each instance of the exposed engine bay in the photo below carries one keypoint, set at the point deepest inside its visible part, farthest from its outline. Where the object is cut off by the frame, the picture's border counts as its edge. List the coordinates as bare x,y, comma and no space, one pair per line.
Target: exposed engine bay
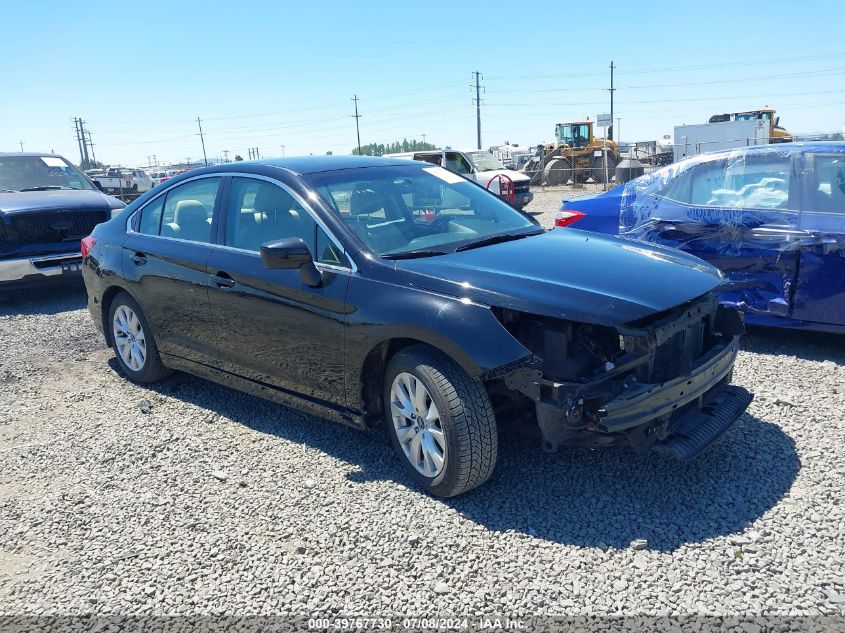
638,384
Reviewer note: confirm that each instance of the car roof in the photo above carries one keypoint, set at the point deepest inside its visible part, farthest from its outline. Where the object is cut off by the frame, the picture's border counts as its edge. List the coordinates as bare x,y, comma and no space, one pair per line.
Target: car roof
316,164
780,148
30,154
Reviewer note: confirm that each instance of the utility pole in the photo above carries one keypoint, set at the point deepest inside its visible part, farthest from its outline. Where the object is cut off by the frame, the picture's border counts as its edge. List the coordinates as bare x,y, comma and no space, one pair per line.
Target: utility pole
78,139
612,90
91,145
357,116
477,85
423,141
86,161
618,127
225,155
21,142
283,151
202,138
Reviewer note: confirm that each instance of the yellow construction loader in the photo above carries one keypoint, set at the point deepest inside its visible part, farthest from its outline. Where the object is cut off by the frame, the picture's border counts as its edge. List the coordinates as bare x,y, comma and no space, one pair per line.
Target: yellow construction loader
576,155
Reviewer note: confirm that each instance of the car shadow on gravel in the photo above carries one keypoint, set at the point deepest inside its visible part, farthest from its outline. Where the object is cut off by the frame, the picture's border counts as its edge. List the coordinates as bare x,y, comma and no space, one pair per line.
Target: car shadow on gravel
49,299
611,497
800,343
591,498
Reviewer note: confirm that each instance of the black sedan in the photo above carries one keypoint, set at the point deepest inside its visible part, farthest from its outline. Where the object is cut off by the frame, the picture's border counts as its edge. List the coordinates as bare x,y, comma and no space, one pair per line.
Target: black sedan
380,292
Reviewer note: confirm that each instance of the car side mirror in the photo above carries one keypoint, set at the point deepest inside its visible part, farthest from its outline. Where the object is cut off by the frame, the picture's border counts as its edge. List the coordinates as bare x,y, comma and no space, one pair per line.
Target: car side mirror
291,252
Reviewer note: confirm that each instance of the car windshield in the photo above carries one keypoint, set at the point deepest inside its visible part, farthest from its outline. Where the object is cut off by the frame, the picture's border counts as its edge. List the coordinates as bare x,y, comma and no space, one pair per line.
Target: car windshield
484,161
33,173
409,211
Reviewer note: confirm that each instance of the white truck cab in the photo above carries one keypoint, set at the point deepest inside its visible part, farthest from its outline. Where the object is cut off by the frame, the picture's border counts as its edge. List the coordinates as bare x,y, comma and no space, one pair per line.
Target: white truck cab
477,165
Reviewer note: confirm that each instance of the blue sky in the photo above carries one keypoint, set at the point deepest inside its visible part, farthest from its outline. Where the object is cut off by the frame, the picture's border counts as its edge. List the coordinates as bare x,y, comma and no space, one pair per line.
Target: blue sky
267,74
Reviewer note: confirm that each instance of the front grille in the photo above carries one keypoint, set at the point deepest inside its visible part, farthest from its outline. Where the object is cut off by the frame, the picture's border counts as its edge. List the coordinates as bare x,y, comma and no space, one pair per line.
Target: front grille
55,226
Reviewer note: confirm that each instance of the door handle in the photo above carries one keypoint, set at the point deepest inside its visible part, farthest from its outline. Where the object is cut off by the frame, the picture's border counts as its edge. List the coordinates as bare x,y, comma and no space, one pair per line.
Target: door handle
222,280
138,258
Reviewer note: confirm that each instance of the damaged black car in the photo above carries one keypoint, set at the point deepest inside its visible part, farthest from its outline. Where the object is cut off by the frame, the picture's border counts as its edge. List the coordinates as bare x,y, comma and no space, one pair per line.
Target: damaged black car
394,295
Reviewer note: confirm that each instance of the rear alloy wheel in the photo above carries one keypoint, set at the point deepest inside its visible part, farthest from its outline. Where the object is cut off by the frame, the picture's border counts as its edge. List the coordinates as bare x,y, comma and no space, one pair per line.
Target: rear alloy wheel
134,345
440,421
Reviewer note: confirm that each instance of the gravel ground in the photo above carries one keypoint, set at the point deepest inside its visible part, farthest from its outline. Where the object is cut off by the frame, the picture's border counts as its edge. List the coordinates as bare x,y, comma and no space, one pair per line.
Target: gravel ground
216,502
547,200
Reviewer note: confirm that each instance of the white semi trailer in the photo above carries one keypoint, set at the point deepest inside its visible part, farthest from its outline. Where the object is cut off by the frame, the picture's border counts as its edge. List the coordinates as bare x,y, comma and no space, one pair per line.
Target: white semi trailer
691,140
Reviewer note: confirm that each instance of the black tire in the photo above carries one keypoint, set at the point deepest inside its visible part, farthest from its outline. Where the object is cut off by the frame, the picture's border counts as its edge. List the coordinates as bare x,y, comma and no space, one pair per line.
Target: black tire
466,418
152,369
598,168
558,171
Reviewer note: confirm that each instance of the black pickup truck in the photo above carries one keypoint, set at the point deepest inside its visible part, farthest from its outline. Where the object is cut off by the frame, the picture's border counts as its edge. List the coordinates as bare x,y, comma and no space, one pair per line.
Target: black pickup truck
46,207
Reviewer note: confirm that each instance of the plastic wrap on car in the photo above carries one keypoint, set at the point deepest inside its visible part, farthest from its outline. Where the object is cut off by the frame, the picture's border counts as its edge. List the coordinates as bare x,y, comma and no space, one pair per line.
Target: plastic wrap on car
760,250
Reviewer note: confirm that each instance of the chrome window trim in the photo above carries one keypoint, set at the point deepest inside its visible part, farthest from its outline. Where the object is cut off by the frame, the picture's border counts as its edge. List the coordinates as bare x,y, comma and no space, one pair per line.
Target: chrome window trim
273,181
319,265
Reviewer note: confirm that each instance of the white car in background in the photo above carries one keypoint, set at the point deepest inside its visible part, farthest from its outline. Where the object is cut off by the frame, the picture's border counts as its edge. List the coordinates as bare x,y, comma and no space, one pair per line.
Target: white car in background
480,166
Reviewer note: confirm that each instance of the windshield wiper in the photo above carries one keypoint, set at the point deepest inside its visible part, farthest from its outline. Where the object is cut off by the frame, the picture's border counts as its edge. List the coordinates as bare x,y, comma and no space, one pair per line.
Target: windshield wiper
8,190
412,254
496,239
44,188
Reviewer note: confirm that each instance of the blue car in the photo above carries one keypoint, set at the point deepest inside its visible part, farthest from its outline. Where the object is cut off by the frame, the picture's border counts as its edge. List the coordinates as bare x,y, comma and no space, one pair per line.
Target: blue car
771,217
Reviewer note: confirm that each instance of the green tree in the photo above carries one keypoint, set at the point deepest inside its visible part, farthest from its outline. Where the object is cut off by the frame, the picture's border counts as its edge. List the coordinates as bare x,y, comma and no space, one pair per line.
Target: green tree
238,157
380,149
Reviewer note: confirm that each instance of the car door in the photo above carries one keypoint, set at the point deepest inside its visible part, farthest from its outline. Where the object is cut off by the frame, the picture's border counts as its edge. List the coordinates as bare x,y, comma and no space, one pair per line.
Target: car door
271,326
164,261
740,213
820,292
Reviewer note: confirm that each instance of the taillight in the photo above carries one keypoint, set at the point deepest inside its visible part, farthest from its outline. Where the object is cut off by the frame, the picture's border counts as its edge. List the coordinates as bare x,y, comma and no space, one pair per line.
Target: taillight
87,245
565,217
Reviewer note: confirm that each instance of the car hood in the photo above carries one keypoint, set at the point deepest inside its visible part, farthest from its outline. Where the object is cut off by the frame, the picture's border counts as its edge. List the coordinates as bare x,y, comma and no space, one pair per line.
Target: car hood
55,200
483,177
570,274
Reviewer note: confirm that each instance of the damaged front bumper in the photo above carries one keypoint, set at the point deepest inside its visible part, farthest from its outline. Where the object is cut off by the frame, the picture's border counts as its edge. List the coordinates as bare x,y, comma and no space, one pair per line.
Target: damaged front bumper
680,417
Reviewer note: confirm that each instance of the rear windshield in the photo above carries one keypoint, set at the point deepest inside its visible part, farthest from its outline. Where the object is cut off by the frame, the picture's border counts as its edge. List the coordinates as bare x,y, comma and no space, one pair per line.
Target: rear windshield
36,173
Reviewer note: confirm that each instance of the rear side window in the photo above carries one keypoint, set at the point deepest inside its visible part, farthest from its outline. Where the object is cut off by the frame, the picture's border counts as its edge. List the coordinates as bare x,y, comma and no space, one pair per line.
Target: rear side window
188,210
151,217
828,184
185,212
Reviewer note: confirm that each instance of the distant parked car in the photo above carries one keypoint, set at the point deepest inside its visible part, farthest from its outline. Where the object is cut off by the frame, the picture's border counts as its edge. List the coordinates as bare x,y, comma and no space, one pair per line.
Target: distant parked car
46,207
387,293
159,177
771,217
122,180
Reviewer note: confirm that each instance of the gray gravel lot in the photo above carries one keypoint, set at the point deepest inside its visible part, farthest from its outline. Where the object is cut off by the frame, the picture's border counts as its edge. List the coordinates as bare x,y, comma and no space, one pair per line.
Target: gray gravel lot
547,200
216,502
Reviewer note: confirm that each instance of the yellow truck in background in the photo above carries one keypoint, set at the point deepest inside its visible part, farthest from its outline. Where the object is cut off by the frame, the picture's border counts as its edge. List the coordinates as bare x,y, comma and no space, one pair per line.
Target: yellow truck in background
777,134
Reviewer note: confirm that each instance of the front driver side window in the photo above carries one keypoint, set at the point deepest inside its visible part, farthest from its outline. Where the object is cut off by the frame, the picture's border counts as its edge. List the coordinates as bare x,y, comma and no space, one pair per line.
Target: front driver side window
260,212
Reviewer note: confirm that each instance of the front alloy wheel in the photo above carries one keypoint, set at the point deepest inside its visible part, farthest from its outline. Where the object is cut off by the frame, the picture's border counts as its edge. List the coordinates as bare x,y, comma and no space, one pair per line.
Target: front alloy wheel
417,424
440,420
